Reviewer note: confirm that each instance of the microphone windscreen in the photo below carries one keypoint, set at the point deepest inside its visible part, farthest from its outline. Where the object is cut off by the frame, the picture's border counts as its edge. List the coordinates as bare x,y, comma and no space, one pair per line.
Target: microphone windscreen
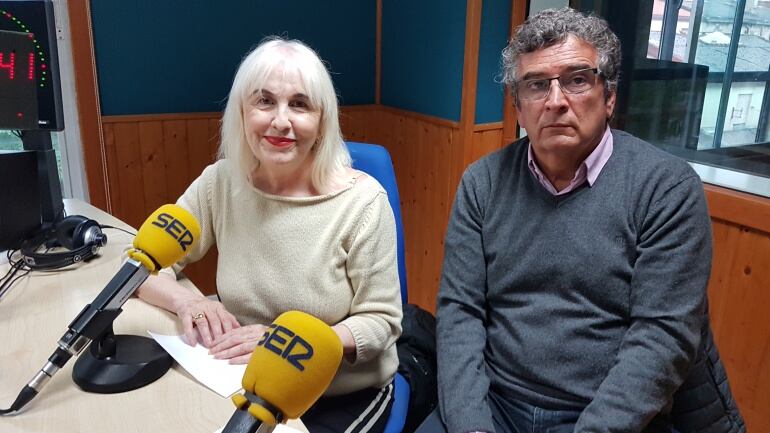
292,365
165,237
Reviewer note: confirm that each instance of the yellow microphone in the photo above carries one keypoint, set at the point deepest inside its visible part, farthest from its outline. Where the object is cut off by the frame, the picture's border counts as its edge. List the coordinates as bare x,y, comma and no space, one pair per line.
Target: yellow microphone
293,364
164,238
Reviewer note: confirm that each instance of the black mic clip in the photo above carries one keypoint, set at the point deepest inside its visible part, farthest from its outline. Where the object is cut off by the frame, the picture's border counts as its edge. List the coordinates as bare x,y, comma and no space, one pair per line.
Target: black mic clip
243,421
259,401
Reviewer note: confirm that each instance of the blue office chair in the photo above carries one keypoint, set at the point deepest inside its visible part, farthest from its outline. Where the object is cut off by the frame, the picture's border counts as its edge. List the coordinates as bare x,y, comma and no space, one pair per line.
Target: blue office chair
375,161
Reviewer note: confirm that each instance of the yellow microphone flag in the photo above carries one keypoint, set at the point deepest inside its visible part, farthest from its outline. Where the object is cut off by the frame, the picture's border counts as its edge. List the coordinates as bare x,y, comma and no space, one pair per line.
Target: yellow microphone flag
291,367
165,237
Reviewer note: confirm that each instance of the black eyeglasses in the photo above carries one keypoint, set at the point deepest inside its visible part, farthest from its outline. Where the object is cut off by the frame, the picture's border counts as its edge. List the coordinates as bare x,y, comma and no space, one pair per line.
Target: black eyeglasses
571,83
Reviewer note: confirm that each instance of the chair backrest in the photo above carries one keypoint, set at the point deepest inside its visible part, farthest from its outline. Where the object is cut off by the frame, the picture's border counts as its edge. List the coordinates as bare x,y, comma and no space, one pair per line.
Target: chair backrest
375,161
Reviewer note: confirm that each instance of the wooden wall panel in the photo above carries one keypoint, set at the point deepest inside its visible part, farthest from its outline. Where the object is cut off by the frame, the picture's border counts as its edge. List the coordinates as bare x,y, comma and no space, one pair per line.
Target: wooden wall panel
198,145
739,297
424,152
485,142
112,178
177,155
151,160
154,172
131,208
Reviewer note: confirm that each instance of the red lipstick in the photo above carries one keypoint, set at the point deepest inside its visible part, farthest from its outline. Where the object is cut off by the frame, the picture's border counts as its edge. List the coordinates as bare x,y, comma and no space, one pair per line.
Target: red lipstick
280,141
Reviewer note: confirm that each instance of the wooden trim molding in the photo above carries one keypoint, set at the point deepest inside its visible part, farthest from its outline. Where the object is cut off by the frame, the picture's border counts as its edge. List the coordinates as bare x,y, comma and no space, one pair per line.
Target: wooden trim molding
89,113
127,118
487,126
424,117
359,108
741,208
160,116
518,15
470,77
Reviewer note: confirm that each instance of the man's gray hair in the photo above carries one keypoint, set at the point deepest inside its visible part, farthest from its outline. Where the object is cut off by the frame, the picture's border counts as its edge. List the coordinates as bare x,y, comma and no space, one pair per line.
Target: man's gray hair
552,26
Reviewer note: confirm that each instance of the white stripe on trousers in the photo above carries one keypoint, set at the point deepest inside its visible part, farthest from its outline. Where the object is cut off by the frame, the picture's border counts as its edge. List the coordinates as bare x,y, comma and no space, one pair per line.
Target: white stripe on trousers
383,397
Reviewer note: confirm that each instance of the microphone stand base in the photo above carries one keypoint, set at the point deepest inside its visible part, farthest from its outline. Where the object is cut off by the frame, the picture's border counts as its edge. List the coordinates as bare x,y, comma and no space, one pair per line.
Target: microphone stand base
136,361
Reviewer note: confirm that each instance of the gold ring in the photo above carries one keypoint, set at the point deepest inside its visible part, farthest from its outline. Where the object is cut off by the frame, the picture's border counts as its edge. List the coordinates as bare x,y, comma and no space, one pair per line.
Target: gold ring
198,316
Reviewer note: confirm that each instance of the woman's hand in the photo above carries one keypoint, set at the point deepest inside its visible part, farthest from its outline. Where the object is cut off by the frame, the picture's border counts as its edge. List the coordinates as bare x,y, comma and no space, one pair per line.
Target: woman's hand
237,344
209,318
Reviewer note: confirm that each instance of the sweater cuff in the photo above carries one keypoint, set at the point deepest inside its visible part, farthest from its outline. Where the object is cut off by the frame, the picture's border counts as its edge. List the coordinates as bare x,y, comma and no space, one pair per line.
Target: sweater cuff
365,339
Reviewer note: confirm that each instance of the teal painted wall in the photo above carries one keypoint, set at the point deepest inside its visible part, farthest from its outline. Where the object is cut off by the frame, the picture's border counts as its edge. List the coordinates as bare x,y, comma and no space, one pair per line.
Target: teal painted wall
153,56
423,45
495,30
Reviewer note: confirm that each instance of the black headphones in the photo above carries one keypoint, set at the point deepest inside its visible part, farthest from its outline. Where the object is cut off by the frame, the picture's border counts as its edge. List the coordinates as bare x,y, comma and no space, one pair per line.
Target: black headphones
80,235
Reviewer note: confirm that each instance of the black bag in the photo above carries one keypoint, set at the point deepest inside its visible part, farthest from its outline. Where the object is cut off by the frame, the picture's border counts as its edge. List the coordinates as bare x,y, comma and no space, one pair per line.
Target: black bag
417,363
704,402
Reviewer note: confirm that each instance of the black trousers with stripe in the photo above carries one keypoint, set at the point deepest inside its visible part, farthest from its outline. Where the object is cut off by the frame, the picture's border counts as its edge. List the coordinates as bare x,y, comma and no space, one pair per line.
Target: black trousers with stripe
364,411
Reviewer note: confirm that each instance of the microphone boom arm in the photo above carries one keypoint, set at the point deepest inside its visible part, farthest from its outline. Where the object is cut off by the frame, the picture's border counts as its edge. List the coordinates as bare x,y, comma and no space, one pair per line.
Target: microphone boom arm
92,323
96,318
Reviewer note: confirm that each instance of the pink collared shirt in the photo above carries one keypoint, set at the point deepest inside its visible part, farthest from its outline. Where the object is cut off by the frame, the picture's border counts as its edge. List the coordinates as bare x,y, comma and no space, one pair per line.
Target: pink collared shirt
589,169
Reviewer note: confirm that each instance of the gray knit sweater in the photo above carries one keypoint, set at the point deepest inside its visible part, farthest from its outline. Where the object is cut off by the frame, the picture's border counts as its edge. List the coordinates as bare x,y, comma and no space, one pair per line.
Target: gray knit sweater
591,301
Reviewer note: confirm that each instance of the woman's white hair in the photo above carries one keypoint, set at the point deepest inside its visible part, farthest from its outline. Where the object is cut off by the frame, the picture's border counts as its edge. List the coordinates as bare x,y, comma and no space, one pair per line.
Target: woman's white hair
330,153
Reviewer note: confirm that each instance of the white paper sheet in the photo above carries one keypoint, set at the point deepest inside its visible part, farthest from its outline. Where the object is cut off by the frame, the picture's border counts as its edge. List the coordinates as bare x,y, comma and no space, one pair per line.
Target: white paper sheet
217,374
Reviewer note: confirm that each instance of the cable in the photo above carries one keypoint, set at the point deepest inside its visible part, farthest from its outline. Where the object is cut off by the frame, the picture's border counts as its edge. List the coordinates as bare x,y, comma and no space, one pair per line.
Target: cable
117,228
5,283
10,277
13,281
25,396
27,393
11,268
55,362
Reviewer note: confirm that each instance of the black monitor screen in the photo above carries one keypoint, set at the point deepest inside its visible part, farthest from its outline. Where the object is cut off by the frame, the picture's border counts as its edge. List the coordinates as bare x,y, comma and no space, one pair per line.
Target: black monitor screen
36,18
18,97
662,101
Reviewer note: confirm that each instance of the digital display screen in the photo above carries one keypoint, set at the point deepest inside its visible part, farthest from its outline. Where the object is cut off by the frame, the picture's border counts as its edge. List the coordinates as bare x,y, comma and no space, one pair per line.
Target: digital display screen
18,93
35,18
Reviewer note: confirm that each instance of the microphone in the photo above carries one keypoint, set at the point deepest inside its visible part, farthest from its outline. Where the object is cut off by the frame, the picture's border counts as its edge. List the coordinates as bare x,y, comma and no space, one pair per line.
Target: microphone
163,239
293,364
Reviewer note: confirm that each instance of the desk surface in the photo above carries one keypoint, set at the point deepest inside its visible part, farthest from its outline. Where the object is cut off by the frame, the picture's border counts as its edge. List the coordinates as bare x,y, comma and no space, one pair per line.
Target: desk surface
33,316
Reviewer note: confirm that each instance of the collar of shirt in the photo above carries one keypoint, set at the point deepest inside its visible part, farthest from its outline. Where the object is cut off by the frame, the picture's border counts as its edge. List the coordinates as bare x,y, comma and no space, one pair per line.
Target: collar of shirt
588,170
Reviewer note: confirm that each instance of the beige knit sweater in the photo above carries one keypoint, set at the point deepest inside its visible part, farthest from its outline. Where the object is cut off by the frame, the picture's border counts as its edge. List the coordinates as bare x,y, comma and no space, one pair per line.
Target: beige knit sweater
332,256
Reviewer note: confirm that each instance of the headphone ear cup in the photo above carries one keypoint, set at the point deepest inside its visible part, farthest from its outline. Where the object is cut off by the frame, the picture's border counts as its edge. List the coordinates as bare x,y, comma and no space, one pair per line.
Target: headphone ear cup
68,232
89,232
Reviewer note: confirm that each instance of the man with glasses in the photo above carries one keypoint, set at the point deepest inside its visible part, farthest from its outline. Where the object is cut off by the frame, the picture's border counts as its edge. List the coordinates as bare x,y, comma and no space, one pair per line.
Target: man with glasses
573,293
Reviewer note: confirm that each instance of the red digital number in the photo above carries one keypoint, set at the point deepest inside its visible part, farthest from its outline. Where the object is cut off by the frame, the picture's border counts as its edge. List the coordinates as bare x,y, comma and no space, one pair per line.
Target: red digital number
8,65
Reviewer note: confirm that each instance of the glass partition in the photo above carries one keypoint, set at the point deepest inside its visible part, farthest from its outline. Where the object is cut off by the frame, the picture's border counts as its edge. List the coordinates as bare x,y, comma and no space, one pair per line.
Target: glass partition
695,78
